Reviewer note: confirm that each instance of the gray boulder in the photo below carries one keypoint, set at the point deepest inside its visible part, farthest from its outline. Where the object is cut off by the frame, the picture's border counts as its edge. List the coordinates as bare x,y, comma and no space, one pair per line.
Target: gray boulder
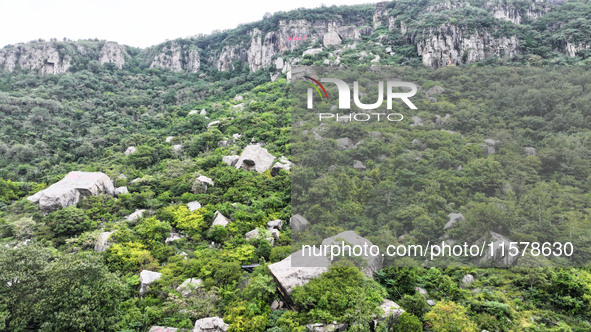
277,224
169,139
283,163
211,324
345,143
201,184
431,302
392,312
297,270
435,90
493,253
130,150
530,151
298,223
135,215
71,189
188,286
416,121
358,165
203,112
255,157
173,237
177,149
372,263
193,112
468,280
453,219
256,233
194,205
220,220
102,241
231,160
213,123
121,190
146,278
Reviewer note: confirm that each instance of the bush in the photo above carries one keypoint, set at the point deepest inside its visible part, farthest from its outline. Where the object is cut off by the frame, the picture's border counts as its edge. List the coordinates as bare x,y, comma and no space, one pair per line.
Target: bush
408,323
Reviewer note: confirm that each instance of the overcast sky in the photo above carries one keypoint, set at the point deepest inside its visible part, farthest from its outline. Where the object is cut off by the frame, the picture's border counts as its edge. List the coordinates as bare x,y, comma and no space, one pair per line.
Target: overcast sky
138,23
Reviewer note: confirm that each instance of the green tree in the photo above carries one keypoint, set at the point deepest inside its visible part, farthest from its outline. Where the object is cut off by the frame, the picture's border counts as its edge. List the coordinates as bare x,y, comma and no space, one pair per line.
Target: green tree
447,316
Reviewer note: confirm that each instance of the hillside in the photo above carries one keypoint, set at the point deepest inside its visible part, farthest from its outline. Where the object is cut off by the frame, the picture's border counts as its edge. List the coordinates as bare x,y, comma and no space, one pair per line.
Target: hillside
167,187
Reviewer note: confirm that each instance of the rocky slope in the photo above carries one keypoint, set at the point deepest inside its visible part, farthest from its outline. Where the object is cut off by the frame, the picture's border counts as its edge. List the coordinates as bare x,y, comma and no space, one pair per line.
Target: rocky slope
441,33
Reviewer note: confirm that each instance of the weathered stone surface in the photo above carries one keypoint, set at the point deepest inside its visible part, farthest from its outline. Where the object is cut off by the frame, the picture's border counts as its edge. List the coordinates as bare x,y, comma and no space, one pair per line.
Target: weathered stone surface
72,188
276,305
468,280
102,241
416,121
135,215
194,205
358,165
441,120
201,184
220,220
277,224
283,163
274,232
493,257
177,149
331,38
193,112
211,324
188,286
435,90
203,112
453,219
298,223
421,291
130,150
173,237
530,151
391,311
169,139
345,143
372,263
42,57
230,160
121,190
255,157
112,53
256,233
320,327
176,57
146,278
297,270
213,123
431,302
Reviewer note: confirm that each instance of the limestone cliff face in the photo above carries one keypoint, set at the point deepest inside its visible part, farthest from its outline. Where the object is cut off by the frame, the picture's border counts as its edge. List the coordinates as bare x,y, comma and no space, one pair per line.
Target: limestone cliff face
451,45
176,57
41,57
113,53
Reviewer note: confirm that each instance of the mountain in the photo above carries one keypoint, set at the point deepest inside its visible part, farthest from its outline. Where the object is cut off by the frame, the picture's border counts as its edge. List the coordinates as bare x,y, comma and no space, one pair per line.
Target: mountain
438,33
171,188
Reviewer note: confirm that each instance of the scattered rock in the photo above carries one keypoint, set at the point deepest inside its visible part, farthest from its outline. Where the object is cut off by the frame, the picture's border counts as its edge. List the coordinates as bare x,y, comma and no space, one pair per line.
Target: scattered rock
71,189
468,280
494,257
201,184
193,112
274,232
277,224
312,51
297,270
203,112
230,160
213,123
146,278
441,120
421,291
194,205
283,163
530,151
372,263
435,90
135,215
276,305
298,223
255,157
431,302
102,241
453,218
358,165
220,220
279,63
255,233
177,149
492,142
173,237
211,324
345,143
238,98
121,190
391,311
130,150
382,157
188,286
169,139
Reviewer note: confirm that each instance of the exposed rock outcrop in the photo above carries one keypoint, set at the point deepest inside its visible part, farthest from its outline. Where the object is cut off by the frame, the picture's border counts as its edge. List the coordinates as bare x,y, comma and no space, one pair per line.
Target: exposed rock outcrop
371,263
220,220
231,160
113,53
298,223
211,324
453,219
121,190
255,157
102,241
188,286
41,57
135,215
176,57
281,164
194,205
201,184
297,270
146,278
72,188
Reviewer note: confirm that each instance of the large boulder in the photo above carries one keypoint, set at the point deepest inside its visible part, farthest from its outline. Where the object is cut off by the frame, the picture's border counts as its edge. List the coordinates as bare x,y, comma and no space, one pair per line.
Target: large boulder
283,163
135,215
72,188
220,220
102,241
194,205
371,263
130,150
256,233
188,286
231,160
121,190
211,324
493,254
146,278
298,223
277,224
391,311
453,219
297,270
255,157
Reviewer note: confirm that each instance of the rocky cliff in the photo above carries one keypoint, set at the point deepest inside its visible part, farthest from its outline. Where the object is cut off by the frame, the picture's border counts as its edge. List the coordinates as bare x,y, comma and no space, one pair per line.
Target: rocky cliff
442,33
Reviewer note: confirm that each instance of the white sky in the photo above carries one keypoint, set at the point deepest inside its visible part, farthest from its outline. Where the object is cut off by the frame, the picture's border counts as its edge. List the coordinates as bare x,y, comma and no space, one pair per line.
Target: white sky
139,23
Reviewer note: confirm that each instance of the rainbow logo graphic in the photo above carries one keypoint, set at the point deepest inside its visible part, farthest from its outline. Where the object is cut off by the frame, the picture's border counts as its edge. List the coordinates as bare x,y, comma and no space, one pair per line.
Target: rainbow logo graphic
316,87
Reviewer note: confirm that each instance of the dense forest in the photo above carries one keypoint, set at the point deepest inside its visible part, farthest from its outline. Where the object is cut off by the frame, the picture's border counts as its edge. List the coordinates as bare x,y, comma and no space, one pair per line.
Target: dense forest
500,139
